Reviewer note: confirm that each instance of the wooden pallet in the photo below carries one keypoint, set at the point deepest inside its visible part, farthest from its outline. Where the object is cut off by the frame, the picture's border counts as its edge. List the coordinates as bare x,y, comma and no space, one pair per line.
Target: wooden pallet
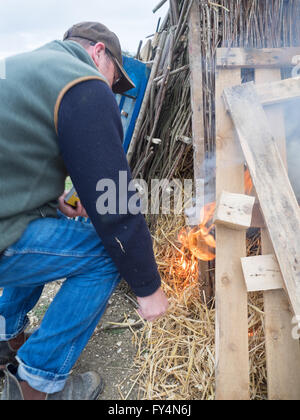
282,351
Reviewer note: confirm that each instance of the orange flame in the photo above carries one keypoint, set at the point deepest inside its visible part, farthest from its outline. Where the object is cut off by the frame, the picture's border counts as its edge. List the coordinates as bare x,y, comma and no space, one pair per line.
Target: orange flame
248,182
199,240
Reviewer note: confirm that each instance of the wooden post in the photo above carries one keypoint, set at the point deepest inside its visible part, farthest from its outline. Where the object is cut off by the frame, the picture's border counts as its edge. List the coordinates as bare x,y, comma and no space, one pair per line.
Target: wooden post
198,123
232,359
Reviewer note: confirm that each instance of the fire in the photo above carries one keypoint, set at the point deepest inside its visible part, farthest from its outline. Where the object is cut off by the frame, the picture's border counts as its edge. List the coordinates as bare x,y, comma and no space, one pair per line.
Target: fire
199,240
188,264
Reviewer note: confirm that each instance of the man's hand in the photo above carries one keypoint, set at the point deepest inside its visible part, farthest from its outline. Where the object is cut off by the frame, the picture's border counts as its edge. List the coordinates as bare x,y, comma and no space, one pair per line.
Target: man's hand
153,306
69,211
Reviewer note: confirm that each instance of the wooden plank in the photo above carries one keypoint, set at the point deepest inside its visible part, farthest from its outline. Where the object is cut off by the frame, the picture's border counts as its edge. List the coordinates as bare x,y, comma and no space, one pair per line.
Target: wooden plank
198,125
276,92
262,272
197,95
270,178
282,351
256,58
257,217
232,359
234,210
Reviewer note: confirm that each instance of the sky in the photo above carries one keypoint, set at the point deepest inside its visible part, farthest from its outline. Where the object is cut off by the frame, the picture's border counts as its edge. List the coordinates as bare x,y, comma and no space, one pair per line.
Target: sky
28,24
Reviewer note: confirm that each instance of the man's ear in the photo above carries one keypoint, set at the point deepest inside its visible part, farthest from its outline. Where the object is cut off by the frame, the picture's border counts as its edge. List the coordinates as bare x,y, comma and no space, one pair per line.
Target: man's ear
98,51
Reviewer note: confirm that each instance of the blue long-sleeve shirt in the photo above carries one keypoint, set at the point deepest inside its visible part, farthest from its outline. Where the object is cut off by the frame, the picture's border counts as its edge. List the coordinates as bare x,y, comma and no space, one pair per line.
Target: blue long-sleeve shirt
90,136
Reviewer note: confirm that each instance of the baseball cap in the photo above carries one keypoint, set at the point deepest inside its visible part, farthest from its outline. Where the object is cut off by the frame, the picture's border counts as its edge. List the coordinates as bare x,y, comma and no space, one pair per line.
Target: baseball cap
96,32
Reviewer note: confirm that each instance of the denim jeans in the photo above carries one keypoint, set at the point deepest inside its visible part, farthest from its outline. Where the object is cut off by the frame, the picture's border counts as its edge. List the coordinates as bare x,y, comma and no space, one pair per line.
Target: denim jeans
52,249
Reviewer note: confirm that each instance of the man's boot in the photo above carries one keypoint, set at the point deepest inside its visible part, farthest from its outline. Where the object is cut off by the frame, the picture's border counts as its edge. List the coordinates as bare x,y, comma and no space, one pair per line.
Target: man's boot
87,386
8,350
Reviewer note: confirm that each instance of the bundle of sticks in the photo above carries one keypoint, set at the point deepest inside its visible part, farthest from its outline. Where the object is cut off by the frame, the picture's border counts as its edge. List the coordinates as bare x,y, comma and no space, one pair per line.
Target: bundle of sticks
161,145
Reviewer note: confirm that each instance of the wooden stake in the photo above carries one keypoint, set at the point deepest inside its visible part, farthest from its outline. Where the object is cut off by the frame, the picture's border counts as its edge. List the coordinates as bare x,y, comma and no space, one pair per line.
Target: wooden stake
159,5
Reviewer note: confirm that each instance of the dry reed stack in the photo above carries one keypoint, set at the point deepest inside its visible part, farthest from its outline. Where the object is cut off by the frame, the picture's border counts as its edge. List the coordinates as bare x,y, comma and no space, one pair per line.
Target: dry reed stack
177,354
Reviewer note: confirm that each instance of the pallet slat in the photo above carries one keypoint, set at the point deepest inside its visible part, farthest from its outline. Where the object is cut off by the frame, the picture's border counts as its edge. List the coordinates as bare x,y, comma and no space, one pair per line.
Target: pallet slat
234,210
262,272
276,92
256,58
